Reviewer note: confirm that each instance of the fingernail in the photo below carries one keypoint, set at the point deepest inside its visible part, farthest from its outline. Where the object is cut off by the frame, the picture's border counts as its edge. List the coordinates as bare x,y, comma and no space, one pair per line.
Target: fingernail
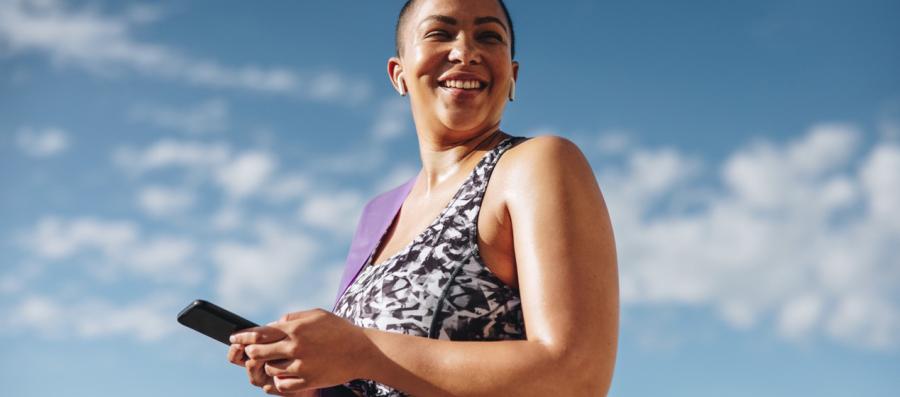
231,338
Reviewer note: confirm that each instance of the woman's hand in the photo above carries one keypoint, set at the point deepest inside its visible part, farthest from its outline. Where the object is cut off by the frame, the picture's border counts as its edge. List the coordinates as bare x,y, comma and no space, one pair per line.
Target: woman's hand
256,369
305,350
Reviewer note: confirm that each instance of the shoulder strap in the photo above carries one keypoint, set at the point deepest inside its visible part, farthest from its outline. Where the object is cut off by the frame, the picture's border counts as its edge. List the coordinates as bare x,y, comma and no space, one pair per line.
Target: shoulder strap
376,218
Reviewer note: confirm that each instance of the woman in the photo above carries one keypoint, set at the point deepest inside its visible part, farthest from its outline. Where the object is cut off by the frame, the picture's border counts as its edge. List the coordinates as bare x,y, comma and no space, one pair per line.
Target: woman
463,262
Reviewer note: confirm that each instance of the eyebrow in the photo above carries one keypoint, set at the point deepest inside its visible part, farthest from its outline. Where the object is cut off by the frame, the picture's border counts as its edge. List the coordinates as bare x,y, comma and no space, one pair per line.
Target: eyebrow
484,20
453,21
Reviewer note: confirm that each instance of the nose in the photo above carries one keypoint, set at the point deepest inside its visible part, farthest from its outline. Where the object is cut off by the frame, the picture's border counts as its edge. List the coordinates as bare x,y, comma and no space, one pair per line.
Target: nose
464,51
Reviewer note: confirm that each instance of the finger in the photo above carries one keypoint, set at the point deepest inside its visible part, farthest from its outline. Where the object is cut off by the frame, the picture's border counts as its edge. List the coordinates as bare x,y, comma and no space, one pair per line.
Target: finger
283,367
236,354
270,388
290,384
269,351
257,335
257,373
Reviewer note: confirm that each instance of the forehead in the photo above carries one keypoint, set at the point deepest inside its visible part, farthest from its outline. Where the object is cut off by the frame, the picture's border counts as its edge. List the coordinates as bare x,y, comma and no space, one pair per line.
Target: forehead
463,10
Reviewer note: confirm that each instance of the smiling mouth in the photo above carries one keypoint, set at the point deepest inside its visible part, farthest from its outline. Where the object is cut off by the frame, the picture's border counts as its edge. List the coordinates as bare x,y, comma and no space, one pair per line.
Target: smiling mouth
463,84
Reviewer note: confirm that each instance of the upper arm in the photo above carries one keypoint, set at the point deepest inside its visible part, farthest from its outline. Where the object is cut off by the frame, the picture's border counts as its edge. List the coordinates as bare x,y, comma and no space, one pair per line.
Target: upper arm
565,252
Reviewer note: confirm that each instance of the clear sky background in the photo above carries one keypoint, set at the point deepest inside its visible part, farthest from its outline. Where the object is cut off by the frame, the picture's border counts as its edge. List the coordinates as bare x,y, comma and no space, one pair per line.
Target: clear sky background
153,153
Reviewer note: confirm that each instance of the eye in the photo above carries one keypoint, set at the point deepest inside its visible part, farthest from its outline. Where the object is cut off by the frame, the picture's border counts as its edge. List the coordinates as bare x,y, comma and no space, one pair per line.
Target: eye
494,36
437,33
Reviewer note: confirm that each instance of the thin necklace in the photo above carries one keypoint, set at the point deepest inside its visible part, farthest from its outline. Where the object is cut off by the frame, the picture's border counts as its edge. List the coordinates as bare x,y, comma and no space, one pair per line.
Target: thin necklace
480,144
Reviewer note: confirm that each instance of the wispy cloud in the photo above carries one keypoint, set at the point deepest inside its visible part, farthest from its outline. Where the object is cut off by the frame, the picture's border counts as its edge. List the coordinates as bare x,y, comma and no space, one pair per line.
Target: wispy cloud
392,120
801,234
614,142
396,176
247,173
265,272
337,212
114,248
240,175
160,201
44,142
149,319
191,155
209,116
105,45
288,187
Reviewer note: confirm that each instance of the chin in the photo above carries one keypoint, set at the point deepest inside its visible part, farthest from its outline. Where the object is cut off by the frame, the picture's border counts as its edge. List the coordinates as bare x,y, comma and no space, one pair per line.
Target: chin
462,124
462,120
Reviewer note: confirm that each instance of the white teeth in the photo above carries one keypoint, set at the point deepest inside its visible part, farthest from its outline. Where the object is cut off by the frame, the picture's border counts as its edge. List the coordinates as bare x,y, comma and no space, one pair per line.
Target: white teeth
463,84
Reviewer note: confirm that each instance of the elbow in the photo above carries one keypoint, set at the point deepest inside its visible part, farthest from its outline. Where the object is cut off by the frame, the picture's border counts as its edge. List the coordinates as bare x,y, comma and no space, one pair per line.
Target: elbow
581,371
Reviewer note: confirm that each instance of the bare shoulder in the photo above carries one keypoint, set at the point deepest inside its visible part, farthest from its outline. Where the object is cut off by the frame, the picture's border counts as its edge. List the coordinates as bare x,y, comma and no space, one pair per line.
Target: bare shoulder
546,146
547,162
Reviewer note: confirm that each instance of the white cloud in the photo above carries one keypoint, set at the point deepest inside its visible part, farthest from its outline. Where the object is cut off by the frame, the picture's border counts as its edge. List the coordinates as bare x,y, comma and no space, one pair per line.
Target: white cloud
825,147
288,187
765,176
164,257
398,175
146,320
330,86
804,234
880,179
267,273
866,320
106,45
240,175
10,285
165,153
613,142
337,212
162,201
114,247
228,217
392,120
363,159
45,142
800,315
55,238
654,173
208,116
246,173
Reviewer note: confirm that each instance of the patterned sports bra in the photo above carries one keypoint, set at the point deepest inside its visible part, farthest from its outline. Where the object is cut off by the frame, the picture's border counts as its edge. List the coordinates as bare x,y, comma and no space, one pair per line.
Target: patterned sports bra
437,286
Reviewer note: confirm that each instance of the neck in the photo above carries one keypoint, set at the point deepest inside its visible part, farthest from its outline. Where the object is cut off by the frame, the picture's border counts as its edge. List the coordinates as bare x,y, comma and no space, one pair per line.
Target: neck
445,155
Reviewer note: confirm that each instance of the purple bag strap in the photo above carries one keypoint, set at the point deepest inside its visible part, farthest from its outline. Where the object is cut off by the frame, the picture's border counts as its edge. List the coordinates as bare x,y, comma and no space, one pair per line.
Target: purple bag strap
374,222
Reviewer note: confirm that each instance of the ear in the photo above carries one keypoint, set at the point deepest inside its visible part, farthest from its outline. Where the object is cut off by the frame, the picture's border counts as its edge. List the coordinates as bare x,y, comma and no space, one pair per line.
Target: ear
515,70
394,69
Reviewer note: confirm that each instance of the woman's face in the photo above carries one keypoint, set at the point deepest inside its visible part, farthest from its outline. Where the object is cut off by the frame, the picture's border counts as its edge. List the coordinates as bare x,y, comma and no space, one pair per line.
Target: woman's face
456,63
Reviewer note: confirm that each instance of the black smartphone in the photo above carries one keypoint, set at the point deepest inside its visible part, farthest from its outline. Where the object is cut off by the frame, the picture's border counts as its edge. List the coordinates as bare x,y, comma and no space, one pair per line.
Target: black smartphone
212,321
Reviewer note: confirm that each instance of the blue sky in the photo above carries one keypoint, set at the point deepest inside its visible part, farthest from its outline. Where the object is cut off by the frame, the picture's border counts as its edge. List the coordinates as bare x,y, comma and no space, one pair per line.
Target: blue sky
153,153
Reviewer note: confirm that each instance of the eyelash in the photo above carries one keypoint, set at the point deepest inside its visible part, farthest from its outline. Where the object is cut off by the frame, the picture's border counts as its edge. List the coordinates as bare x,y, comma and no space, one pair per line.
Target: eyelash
437,33
444,33
493,35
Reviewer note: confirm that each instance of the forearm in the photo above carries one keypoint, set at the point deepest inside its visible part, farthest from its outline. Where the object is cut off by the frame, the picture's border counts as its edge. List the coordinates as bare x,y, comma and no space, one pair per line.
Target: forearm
427,367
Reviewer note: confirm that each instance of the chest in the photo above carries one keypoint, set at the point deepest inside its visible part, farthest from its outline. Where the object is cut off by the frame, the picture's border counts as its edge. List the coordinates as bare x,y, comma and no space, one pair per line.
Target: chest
495,233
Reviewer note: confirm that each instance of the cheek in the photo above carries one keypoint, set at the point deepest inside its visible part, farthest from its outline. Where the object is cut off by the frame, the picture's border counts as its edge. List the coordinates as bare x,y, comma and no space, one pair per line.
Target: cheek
427,61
